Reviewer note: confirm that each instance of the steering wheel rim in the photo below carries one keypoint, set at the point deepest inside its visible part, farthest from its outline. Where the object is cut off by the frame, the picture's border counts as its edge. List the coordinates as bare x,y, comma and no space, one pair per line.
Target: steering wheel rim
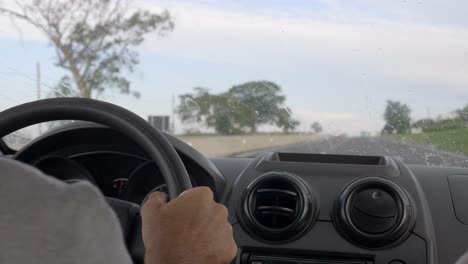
151,140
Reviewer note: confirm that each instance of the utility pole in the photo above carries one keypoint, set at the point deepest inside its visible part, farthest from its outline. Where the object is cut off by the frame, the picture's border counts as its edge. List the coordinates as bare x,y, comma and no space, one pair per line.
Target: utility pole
38,79
173,114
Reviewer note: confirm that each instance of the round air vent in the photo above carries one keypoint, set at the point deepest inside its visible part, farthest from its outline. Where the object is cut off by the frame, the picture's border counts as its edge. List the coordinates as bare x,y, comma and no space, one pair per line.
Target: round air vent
277,207
374,213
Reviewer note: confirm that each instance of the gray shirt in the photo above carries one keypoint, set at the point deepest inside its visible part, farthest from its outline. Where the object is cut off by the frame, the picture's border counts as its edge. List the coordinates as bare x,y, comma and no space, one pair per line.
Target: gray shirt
43,220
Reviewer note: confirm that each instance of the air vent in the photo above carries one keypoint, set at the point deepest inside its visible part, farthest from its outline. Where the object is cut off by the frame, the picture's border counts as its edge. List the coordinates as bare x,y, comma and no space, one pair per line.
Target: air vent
374,213
276,204
277,207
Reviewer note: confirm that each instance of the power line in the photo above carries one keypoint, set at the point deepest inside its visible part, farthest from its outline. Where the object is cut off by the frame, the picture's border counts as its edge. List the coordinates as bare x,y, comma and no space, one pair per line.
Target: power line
38,79
173,114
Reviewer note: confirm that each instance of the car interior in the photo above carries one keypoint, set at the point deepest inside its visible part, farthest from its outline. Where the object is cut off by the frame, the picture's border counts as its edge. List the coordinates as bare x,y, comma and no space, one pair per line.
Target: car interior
284,207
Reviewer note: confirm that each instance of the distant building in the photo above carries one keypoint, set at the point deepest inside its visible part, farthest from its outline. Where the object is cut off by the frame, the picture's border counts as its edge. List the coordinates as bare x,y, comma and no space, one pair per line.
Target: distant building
416,130
160,122
365,134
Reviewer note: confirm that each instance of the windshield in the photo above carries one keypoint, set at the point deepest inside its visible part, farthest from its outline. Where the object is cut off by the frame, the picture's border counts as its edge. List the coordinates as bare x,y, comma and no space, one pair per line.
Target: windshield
237,78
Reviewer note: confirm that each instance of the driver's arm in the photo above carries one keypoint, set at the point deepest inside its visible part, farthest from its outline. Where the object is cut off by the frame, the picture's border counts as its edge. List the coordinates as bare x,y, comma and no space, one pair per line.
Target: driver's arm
463,259
44,220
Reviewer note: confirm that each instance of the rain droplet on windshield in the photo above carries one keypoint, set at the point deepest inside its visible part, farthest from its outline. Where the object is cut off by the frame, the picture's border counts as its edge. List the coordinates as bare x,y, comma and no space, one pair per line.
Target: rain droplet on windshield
191,103
257,114
287,111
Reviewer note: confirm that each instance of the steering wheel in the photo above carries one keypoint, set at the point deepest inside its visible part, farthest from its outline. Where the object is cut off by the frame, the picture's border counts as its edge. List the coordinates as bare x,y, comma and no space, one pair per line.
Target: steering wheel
148,138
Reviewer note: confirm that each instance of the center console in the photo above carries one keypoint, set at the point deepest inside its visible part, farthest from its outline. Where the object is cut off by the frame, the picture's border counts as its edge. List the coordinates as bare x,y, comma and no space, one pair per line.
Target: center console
311,208
256,258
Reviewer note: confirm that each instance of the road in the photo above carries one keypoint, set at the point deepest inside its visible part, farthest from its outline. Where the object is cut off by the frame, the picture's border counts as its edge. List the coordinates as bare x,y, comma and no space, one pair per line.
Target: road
409,152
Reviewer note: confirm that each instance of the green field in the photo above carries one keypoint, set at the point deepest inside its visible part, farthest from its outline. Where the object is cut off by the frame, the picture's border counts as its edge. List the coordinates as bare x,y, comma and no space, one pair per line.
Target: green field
455,140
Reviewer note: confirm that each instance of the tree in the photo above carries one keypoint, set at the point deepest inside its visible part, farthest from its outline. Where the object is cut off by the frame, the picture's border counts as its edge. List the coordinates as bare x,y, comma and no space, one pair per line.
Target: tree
440,124
286,120
387,129
316,127
462,114
460,120
258,102
64,89
397,116
426,125
239,110
93,39
203,107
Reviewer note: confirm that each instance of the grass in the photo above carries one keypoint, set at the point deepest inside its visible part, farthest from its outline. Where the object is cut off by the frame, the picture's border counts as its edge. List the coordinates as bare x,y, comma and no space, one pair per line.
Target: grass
454,140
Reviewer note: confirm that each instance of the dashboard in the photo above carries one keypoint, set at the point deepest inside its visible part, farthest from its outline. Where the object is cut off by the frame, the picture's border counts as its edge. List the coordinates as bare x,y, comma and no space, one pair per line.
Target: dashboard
287,208
436,230
117,174
110,161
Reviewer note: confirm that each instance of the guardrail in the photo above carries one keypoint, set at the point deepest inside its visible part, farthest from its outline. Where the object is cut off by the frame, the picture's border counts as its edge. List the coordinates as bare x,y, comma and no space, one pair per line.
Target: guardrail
222,146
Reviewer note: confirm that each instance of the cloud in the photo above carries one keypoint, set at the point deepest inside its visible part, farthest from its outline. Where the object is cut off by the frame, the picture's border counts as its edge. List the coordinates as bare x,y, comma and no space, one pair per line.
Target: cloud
307,114
338,38
336,123
390,48
332,46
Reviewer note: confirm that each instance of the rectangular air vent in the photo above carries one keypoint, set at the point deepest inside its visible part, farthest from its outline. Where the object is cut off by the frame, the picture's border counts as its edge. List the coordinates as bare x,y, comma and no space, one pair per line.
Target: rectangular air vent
272,259
331,159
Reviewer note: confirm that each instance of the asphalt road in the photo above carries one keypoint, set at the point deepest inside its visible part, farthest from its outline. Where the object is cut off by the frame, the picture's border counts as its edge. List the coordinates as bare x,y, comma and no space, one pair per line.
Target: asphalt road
409,152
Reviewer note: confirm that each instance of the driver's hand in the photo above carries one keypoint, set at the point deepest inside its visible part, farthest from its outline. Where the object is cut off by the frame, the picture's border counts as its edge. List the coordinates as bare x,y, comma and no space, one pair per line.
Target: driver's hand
192,228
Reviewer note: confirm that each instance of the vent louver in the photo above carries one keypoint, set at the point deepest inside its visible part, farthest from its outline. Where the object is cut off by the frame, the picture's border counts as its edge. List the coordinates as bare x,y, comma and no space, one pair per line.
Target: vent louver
277,207
374,212
276,204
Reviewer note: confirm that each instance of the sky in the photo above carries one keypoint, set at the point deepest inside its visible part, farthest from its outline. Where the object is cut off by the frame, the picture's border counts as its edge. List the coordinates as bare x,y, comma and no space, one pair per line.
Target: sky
336,61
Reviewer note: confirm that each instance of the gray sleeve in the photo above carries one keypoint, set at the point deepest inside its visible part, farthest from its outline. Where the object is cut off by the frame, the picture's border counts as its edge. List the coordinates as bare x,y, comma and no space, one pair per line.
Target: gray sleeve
96,232
43,220
463,259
